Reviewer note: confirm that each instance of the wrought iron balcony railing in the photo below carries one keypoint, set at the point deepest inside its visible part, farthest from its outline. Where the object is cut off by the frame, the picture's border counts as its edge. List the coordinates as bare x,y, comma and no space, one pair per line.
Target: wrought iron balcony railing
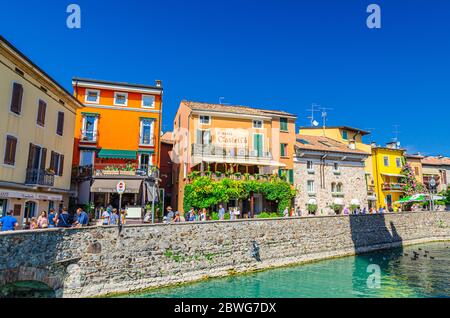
39,177
106,170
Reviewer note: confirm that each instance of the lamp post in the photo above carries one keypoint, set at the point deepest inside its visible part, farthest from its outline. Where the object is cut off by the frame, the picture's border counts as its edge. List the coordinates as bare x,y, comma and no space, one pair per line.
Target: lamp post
432,185
155,184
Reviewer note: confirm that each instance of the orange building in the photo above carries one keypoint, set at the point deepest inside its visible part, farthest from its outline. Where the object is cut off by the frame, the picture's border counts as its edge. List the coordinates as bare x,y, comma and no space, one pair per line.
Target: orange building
224,138
117,137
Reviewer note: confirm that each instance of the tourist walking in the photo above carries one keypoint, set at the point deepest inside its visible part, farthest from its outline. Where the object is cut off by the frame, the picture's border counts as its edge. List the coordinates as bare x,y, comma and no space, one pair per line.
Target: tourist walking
34,224
114,218
51,218
170,215
82,218
63,218
346,211
106,215
221,213
123,215
203,215
42,221
8,222
286,212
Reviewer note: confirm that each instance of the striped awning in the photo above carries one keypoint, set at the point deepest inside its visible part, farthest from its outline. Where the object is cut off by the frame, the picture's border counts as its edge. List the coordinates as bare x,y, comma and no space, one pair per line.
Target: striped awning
117,154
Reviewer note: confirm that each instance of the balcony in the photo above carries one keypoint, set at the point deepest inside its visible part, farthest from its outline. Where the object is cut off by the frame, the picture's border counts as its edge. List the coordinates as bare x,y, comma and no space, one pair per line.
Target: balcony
147,141
88,136
113,170
397,187
218,153
39,177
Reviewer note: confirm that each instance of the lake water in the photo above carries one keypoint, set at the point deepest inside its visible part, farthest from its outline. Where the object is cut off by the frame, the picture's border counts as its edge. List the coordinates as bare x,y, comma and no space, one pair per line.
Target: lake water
400,276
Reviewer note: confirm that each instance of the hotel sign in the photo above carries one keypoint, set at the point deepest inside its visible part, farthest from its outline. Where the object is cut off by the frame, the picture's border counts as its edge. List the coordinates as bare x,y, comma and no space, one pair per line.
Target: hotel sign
232,137
29,195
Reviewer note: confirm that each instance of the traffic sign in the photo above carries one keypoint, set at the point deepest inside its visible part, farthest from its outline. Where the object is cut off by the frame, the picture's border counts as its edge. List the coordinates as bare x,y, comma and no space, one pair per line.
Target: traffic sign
120,187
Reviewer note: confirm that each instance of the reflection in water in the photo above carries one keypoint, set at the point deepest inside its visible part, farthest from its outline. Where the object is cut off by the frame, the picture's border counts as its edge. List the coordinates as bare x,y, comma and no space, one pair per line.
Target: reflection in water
342,277
26,289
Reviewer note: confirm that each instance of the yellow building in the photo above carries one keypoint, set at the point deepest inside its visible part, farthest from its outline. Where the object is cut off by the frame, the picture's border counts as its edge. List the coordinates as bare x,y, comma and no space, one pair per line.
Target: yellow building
37,125
387,166
354,138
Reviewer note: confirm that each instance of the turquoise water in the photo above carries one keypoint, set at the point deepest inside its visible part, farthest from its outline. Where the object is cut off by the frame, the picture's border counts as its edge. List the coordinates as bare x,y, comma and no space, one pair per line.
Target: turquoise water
342,277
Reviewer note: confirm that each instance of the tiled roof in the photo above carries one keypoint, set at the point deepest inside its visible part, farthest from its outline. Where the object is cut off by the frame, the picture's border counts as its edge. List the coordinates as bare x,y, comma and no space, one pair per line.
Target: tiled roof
326,144
361,131
237,109
167,137
436,161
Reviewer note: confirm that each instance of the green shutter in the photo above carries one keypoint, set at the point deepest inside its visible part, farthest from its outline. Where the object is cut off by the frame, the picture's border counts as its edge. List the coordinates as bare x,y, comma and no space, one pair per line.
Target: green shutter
291,176
258,146
284,124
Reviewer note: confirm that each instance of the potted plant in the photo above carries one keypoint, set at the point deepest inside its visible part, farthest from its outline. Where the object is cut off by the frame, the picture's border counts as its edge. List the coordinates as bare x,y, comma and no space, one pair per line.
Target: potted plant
312,208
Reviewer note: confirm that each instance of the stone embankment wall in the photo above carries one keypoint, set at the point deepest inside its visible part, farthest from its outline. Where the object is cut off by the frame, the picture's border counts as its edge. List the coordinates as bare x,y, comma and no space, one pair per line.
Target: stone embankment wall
100,260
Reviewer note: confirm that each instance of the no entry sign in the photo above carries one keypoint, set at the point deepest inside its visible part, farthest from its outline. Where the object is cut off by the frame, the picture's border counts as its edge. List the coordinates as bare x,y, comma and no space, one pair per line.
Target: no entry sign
121,187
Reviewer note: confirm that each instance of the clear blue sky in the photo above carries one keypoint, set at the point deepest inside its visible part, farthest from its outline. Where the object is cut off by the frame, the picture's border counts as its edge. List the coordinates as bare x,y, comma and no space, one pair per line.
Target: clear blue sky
270,54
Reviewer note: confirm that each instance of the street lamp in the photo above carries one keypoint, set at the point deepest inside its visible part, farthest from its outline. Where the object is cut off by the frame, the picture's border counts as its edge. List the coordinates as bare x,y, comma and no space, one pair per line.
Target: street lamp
432,185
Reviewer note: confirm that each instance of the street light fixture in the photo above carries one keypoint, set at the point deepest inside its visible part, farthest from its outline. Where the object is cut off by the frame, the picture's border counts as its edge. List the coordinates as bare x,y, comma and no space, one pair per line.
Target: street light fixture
432,184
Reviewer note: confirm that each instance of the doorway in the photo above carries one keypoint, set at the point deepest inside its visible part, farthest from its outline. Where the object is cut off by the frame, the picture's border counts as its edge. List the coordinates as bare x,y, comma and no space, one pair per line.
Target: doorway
3,207
388,200
30,212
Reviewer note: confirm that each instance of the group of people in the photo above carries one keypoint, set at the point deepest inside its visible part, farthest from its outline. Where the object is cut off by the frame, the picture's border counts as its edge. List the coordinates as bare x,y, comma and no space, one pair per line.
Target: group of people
200,215
111,216
46,220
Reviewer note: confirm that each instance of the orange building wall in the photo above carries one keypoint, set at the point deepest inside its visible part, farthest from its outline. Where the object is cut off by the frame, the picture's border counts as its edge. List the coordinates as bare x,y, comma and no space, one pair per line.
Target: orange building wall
118,129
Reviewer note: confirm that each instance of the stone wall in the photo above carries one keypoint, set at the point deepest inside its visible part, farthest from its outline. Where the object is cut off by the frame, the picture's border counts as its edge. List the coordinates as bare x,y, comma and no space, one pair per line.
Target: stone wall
351,177
99,261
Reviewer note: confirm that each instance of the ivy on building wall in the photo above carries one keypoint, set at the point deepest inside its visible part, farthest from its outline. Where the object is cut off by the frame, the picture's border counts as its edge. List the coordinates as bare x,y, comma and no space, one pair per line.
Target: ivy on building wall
204,192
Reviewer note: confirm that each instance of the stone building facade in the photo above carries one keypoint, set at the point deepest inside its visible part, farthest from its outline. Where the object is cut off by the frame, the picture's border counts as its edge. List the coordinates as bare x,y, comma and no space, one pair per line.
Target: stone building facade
329,176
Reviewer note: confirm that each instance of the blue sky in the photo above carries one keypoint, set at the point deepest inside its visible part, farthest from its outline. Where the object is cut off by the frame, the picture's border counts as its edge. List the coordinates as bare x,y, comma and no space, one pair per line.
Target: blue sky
269,54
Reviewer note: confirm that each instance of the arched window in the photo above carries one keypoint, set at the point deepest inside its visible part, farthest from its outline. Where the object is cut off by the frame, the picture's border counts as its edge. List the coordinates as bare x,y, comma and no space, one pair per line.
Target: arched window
339,187
333,187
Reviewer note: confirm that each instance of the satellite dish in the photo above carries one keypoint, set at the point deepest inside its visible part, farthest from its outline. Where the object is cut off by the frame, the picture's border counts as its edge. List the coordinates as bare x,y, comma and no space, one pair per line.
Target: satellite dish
315,123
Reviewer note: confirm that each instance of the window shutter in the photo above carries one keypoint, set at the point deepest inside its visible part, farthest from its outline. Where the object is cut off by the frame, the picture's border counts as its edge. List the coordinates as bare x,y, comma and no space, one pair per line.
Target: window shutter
43,158
16,100
60,126
30,156
52,161
41,112
10,150
61,165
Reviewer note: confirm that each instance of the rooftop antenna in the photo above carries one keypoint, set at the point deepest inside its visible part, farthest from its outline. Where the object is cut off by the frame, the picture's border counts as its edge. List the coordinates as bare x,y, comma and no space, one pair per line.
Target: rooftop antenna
221,99
324,115
396,132
314,108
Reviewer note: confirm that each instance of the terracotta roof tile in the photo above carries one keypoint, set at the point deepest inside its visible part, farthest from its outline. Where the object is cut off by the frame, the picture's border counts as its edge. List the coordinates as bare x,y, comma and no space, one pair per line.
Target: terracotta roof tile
436,161
321,143
167,137
238,109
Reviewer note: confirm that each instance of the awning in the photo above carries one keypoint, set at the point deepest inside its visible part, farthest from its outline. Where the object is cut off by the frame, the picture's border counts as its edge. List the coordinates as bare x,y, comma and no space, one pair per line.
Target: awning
241,161
146,152
355,202
312,201
13,194
117,154
371,198
109,186
393,175
338,201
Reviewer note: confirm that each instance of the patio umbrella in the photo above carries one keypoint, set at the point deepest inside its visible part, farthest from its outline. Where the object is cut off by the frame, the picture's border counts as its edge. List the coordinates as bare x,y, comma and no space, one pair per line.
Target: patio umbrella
404,200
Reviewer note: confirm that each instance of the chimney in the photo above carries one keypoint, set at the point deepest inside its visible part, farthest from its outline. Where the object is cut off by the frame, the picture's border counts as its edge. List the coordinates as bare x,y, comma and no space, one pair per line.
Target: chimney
393,145
373,144
158,83
352,144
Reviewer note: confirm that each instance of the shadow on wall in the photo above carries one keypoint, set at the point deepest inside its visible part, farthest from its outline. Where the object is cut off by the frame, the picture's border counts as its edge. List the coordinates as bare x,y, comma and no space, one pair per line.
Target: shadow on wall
369,232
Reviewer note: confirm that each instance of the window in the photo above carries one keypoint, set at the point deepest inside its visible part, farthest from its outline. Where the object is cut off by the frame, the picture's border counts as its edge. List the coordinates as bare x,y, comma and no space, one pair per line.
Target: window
42,107
205,120
309,165
86,158
335,166
339,188
310,186
57,163
89,130
283,124
10,150
398,162
16,99
284,150
345,134
60,124
148,101
257,124
120,99
92,96
386,161
146,132
203,137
